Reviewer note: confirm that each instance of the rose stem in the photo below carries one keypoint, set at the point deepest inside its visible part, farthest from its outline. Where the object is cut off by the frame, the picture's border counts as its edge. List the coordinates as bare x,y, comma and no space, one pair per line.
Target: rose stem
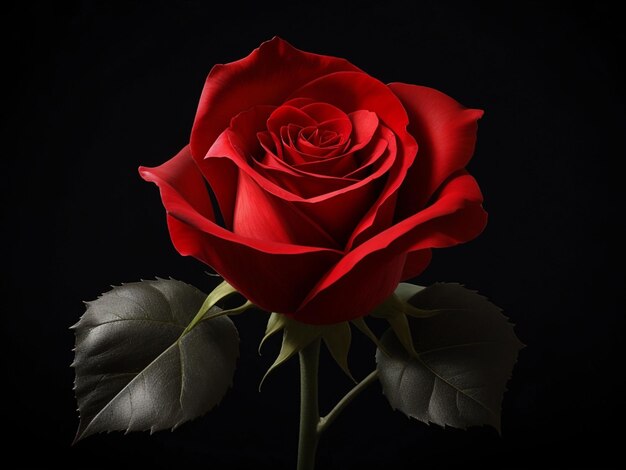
332,415
309,407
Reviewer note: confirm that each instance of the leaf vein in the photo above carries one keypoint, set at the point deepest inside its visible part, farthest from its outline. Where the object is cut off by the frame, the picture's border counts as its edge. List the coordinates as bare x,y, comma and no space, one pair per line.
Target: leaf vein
462,345
145,320
443,379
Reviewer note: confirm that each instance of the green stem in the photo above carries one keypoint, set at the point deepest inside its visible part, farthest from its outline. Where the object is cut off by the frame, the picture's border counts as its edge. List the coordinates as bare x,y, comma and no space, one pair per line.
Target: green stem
309,407
345,401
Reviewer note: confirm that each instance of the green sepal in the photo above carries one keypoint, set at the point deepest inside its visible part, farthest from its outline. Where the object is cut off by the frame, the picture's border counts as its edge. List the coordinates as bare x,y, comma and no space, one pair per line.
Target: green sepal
362,326
337,339
222,291
397,307
275,323
297,336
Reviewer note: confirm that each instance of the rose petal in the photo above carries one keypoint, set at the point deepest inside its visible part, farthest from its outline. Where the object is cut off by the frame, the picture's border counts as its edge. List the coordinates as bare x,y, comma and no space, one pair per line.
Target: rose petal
327,136
247,124
311,154
333,128
322,112
267,76
376,266
384,140
338,163
284,116
355,91
223,177
415,263
246,205
292,155
381,214
364,125
182,173
224,180
263,216
299,102
288,271
272,161
446,134
336,212
300,183
272,151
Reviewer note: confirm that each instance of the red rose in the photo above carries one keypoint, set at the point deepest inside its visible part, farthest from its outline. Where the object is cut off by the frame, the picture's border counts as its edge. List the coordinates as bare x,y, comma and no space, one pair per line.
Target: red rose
333,187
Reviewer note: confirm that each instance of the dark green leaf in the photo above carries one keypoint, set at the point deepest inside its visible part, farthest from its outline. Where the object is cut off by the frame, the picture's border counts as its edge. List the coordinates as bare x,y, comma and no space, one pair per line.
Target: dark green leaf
465,356
134,370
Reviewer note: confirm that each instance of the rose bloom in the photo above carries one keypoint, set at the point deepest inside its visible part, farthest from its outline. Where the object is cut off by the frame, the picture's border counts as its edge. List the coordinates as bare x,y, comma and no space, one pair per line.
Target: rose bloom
331,186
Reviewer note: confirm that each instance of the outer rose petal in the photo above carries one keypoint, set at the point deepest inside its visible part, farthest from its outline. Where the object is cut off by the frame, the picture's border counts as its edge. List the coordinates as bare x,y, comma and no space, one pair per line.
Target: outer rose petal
446,134
416,262
275,276
375,267
267,76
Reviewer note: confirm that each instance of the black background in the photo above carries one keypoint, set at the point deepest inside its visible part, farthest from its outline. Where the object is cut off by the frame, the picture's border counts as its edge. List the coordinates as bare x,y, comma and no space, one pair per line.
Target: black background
93,89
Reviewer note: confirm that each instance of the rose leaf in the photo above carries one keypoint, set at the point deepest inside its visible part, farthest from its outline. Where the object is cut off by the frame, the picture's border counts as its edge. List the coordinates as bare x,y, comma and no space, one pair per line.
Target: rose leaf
137,370
465,356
